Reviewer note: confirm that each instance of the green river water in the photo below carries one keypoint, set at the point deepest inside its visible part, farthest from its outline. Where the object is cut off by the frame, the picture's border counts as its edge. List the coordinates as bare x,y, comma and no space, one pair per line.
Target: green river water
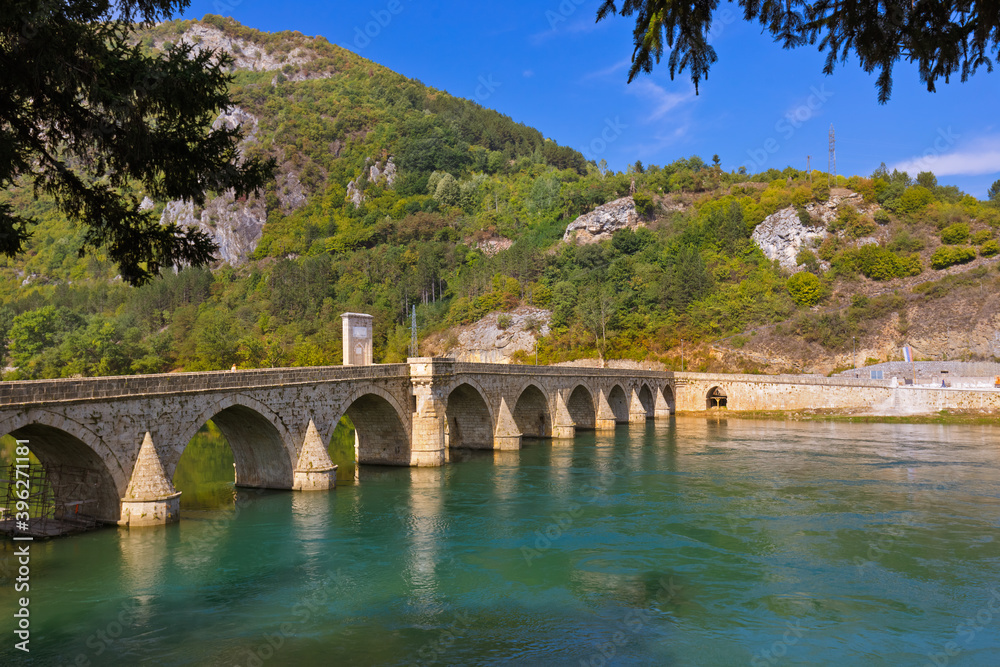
689,542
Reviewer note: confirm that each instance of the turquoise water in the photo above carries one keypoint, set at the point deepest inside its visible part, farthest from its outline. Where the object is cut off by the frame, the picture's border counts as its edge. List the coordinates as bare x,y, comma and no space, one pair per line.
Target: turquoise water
693,542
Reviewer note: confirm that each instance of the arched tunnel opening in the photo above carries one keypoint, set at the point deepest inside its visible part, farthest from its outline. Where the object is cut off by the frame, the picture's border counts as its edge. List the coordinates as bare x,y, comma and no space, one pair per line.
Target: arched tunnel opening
206,472
380,435
716,398
668,396
341,449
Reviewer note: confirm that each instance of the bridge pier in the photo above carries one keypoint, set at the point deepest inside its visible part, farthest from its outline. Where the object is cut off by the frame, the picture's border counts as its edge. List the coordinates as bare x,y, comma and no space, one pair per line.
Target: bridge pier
429,378
636,411
563,426
315,470
661,409
605,420
507,436
150,499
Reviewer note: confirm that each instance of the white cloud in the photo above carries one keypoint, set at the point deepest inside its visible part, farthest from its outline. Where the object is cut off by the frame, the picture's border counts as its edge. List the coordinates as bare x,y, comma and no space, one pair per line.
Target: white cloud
979,157
564,21
607,71
662,101
527,74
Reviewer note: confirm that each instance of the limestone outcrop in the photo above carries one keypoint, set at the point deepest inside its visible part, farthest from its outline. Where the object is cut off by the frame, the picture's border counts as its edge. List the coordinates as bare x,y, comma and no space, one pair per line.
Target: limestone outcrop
782,235
603,221
235,225
375,172
248,55
486,342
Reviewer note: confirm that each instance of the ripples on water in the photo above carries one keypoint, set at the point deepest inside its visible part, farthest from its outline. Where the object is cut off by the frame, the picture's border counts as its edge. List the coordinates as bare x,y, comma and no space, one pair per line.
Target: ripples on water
698,542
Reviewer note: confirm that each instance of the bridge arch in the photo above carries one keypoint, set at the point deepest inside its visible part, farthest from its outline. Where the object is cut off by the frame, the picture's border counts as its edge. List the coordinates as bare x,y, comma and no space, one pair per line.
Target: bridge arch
618,400
716,398
57,441
470,420
262,448
380,429
532,414
647,400
581,408
668,397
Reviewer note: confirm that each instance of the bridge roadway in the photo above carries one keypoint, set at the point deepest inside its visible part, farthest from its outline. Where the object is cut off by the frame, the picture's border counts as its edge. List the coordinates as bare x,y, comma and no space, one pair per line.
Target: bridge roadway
130,432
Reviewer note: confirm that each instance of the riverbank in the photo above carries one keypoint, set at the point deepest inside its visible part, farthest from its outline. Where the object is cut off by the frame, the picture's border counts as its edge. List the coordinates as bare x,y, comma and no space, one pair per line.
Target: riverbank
833,415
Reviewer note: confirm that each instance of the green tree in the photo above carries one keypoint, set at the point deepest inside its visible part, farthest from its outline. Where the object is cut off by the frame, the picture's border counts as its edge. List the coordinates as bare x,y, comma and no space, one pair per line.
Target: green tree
689,279
92,119
33,331
597,307
804,288
993,194
927,179
943,39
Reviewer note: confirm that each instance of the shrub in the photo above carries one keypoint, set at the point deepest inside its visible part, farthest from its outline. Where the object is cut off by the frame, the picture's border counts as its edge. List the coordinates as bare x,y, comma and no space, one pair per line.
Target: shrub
859,227
904,241
881,217
990,248
821,190
981,237
804,288
804,216
955,234
504,320
808,259
946,256
879,263
644,205
914,199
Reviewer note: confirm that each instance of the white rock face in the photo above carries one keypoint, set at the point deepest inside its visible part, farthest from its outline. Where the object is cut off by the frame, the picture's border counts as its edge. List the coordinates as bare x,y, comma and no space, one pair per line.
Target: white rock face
782,235
486,342
290,192
603,221
248,55
828,210
237,117
377,173
236,226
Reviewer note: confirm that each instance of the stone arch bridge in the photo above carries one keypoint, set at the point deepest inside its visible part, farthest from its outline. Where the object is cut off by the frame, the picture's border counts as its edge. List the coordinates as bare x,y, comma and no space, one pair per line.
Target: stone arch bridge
129,432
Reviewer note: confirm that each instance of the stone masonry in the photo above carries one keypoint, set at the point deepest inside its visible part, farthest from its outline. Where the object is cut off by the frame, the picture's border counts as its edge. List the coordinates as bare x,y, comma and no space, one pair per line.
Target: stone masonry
131,431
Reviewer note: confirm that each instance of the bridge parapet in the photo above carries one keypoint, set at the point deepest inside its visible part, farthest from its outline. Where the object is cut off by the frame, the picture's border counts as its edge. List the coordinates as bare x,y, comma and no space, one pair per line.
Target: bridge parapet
130,386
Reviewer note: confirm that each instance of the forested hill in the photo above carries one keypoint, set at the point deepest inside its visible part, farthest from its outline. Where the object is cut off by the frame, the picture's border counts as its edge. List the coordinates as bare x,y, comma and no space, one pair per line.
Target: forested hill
390,193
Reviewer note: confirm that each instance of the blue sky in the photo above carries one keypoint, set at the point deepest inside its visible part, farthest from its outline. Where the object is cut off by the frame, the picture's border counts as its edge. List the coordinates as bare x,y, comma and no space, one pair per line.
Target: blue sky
547,64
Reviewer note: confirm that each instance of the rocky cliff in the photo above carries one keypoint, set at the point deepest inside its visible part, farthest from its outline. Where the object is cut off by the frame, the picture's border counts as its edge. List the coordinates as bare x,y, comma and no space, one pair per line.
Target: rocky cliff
248,55
782,235
603,221
487,341
235,225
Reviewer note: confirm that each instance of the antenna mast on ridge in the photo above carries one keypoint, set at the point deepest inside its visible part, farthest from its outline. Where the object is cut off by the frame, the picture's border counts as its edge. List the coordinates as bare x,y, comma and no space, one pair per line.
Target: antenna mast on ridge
833,158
